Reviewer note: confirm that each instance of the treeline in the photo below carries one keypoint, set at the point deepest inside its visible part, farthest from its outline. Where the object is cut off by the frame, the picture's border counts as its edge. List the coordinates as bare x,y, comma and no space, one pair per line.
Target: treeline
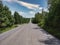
8,20
50,21
19,19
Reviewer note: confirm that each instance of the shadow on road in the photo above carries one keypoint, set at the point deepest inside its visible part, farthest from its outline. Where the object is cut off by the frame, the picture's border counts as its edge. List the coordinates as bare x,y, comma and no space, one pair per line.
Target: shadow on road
36,28
43,31
50,41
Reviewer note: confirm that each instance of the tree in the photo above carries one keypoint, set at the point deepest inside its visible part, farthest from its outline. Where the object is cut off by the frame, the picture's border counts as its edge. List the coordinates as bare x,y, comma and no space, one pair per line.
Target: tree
19,19
16,16
6,18
38,17
52,21
54,14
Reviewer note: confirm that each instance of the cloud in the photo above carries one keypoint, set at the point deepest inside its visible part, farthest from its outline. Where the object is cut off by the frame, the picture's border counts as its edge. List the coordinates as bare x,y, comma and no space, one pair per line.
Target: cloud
35,8
7,0
22,13
46,10
10,0
12,12
28,5
40,11
40,8
28,14
31,12
25,4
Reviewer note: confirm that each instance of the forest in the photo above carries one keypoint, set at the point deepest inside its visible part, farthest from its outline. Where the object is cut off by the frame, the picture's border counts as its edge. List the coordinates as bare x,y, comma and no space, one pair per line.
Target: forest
7,20
50,21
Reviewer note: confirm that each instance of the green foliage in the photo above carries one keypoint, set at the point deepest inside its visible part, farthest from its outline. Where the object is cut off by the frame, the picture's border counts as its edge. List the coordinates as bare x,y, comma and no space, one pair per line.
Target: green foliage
42,23
7,29
37,18
51,21
54,15
25,20
19,19
7,20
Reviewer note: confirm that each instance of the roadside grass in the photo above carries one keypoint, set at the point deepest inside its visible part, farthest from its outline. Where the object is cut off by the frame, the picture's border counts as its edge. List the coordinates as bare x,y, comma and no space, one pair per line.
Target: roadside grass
7,29
54,32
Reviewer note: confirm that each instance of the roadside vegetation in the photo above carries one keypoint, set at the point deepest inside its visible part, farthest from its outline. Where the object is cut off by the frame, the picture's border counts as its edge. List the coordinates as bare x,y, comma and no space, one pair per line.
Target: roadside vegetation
9,21
50,21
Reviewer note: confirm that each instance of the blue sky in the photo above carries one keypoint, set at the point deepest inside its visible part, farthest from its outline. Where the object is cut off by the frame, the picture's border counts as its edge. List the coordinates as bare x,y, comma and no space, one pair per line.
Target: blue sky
26,8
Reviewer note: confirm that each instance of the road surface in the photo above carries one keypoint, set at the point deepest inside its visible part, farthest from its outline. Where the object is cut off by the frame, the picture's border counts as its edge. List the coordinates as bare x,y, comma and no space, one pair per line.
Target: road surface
28,34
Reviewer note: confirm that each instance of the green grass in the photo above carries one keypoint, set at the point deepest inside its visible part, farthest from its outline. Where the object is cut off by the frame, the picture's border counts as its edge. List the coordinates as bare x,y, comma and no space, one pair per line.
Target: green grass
7,29
54,32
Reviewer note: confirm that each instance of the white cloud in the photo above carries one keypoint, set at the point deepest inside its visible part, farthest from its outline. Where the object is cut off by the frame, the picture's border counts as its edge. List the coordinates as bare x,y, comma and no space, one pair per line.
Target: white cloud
9,0
22,13
40,8
31,12
12,12
46,10
28,14
40,11
25,4
28,5
35,7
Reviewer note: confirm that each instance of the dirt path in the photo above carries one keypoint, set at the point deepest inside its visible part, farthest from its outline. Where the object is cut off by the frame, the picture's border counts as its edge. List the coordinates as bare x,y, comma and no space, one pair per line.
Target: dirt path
29,34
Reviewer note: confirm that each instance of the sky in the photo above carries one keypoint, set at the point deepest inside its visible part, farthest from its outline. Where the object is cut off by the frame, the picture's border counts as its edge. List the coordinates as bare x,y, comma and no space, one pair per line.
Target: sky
26,8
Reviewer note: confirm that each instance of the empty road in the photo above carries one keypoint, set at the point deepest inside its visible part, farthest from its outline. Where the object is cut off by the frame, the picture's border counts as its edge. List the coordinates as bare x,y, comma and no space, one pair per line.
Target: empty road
28,34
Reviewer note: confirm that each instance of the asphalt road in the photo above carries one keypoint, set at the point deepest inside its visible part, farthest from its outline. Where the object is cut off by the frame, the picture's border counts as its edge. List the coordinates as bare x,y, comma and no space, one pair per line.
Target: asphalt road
28,34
